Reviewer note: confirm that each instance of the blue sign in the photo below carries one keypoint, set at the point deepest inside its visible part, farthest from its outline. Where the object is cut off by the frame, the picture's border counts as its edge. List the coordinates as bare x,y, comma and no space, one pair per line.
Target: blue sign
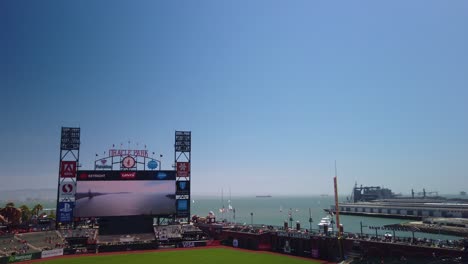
182,205
183,187
152,164
65,213
161,175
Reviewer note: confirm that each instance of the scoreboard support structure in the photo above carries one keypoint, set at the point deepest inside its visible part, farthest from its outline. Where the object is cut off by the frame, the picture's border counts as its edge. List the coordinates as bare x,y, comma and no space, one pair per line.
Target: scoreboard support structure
182,158
68,164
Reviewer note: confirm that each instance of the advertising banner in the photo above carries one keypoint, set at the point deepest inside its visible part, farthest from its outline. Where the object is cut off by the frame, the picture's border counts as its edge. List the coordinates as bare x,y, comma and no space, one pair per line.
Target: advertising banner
183,169
191,244
104,175
52,253
24,257
188,244
183,187
182,207
65,213
67,169
67,189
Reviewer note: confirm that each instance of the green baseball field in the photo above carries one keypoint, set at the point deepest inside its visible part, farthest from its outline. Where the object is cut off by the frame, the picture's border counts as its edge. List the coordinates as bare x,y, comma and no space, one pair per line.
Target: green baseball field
196,256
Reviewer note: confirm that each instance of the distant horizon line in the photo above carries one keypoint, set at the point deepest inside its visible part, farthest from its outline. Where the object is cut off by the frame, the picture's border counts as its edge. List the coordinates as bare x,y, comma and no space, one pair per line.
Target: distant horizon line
217,194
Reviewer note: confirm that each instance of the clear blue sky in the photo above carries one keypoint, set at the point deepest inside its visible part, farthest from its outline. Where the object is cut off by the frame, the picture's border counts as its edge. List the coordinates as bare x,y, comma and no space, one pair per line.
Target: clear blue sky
273,91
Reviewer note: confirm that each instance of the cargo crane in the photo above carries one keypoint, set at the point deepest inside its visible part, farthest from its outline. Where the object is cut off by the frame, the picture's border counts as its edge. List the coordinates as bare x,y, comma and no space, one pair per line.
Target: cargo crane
425,194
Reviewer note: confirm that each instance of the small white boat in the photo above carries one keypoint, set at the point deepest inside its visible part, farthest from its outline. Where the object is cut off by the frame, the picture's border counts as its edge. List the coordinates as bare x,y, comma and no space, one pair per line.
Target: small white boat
326,222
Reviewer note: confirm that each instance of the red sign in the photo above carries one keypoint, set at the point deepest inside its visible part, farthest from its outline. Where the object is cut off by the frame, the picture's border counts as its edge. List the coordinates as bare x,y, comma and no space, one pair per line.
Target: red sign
183,169
68,169
128,175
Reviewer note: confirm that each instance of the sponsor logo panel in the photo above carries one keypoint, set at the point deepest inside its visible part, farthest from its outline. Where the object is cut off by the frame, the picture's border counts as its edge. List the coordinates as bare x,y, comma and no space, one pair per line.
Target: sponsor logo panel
152,164
67,169
127,175
188,244
65,213
183,169
67,189
102,164
182,205
118,175
24,257
183,187
52,253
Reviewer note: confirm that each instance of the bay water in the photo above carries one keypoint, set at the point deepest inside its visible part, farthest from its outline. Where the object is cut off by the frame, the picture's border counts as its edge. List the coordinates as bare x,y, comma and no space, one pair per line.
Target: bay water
275,211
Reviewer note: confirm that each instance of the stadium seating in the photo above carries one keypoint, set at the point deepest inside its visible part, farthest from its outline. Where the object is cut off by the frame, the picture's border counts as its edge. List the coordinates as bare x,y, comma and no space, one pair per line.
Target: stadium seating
43,240
168,232
9,245
127,238
79,232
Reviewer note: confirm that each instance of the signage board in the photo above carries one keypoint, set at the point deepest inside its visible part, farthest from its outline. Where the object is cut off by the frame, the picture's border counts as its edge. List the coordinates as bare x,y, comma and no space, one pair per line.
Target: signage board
152,164
183,169
70,138
67,189
128,152
24,257
107,175
102,164
183,141
128,175
182,147
183,187
52,253
65,213
67,169
182,205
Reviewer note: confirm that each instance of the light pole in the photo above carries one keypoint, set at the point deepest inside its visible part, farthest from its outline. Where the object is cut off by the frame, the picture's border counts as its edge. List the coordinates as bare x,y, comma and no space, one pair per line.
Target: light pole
160,162
251,218
362,227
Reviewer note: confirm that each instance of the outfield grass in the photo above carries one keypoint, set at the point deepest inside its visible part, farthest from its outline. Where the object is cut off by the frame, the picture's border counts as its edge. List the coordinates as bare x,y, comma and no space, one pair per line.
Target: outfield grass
198,256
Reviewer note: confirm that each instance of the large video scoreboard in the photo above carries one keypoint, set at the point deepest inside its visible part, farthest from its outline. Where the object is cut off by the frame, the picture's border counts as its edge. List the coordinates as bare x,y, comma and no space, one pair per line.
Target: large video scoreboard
125,193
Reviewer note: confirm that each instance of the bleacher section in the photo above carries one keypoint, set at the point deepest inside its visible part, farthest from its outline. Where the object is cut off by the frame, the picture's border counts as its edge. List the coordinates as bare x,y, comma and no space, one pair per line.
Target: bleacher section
9,245
175,233
80,232
43,240
190,232
128,238
168,233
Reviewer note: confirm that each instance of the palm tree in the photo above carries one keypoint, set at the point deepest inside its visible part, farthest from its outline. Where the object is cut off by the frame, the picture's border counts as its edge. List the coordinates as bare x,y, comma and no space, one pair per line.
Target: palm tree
25,213
10,204
36,209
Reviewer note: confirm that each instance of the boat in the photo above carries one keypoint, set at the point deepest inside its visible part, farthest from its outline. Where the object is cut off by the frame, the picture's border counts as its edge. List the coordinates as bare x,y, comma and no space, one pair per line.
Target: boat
263,196
326,224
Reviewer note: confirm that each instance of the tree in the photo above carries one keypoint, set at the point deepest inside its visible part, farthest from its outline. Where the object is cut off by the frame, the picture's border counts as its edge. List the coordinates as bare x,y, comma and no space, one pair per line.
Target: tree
36,209
25,213
10,204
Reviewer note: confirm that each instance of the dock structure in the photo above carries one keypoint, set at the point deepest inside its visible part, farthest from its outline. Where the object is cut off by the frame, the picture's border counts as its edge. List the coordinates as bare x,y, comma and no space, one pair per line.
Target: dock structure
408,209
